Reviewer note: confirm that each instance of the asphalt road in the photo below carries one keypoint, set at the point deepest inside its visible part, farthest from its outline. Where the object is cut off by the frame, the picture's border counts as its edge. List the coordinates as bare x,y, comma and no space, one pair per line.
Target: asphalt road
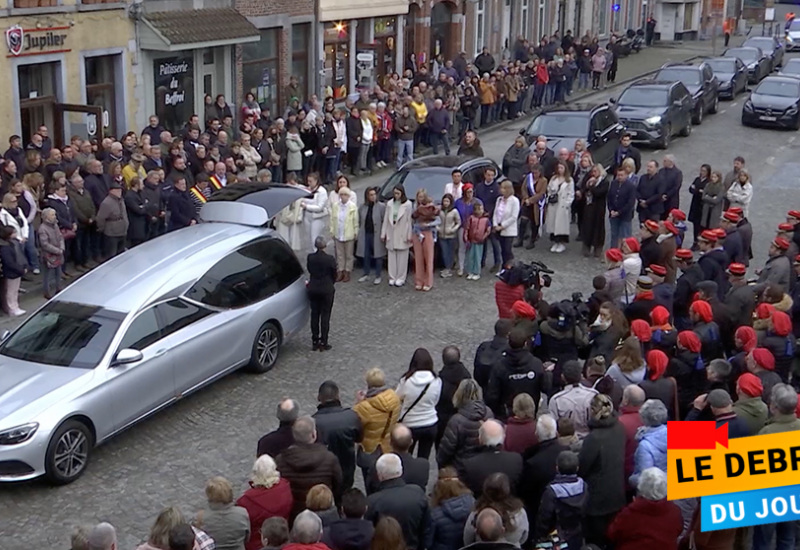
167,459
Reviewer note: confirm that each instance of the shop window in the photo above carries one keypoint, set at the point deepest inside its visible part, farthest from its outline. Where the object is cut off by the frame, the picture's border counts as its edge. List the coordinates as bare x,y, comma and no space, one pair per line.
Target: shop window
38,94
261,69
174,90
337,62
300,43
100,91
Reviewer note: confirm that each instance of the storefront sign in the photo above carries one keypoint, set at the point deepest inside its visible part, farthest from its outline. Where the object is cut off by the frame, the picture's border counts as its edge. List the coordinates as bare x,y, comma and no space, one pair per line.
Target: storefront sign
174,89
36,41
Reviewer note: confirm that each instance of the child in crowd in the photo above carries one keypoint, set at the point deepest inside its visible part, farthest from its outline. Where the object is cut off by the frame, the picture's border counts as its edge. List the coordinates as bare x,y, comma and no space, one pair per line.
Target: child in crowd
478,229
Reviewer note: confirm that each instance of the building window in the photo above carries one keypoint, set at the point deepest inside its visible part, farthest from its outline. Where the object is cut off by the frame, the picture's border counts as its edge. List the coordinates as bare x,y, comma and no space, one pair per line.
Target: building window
100,77
602,19
337,60
524,17
542,20
48,3
38,94
688,17
261,69
480,26
385,43
300,45
174,90
631,23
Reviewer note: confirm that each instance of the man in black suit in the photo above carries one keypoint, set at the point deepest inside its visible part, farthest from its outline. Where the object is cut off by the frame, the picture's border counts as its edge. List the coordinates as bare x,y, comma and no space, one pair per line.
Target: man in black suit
415,470
277,441
627,151
491,459
322,275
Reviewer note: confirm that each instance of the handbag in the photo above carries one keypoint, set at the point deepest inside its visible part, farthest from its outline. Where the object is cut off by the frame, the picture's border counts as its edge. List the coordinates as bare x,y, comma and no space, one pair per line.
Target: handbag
67,233
552,198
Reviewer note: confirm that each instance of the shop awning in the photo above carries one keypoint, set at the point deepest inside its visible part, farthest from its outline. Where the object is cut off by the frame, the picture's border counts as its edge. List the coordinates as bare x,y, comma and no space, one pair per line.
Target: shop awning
193,29
336,10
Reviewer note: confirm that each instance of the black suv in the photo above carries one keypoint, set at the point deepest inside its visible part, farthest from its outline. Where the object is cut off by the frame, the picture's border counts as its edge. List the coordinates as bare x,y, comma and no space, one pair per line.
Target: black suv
699,79
653,111
596,124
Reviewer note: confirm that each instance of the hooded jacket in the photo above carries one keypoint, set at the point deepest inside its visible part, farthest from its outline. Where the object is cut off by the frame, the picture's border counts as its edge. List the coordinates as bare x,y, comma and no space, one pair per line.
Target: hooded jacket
304,465
447,523
753,412
261,504
348,534
474,150
486,356
517,372
423,413
562,507
651,451
460,439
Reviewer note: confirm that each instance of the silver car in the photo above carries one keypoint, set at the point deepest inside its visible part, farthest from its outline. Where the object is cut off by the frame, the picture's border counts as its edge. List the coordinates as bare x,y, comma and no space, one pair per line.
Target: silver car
147,328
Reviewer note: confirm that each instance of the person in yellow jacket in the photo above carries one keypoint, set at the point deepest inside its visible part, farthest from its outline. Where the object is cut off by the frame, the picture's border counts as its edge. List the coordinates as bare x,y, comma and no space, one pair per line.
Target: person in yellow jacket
344,229
134,169
378,408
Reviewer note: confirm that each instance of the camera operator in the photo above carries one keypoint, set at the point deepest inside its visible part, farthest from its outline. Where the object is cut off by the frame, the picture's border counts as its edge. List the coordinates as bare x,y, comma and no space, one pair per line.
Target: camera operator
563,334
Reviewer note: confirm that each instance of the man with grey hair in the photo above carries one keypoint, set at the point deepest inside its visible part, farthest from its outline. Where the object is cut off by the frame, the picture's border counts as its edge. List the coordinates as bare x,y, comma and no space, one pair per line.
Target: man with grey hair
275,442
540,468
632,399
439,127
574,400
322,275
491,459
264,176
103,537
489,532
306,531
671,181
308,463
404,502
720,404
782,407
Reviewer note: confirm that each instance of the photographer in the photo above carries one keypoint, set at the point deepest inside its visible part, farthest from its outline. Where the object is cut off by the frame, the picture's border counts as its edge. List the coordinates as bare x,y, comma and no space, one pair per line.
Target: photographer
563,334
512,283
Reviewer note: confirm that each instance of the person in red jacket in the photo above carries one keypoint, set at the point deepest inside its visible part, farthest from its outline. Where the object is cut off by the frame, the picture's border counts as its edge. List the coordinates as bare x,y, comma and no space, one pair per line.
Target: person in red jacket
634,528
269,496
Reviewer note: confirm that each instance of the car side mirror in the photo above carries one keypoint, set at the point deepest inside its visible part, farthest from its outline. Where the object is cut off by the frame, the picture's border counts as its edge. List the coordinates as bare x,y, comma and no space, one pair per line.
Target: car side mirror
612,100
522,131
126,357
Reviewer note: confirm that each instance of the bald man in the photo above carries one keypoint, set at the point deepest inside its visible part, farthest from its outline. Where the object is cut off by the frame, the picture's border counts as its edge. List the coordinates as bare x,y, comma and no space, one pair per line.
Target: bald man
415,470
276,441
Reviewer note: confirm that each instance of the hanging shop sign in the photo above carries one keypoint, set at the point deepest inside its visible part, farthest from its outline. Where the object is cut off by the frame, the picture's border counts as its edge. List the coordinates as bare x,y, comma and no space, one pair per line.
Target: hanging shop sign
35,41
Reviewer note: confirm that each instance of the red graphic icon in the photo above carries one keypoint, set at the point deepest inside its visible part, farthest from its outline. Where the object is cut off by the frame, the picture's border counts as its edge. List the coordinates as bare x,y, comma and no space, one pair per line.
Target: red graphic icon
696,435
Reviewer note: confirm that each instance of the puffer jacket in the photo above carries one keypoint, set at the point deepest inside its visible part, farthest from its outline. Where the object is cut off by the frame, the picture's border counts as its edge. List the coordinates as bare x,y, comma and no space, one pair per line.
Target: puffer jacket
651,452
378,413
423,413
447,523
460,440
451,222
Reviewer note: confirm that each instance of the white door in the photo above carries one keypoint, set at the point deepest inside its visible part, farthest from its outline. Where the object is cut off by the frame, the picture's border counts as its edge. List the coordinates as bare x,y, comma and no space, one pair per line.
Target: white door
508,40
669,13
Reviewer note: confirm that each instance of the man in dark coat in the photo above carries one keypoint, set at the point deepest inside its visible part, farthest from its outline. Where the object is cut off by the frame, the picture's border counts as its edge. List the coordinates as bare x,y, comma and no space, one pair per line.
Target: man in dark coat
650,251
648,194
714,262
491,460
722,314
181,206
415,470
624,151
490,352
733,245
321,268
517,372
685,287
307,463
352,531
540,465
405,503
339,428
96,182
721,405
277,441
15,151
740,297
484,62
490,532
672,180
452,373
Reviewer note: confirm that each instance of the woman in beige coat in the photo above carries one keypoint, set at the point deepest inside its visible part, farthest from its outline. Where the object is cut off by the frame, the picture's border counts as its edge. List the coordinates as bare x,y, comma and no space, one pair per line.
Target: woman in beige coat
396,233
251,157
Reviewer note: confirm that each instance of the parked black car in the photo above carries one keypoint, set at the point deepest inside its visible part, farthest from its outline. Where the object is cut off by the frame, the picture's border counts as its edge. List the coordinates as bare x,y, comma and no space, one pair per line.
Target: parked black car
653,111
775,102
731,73
771,46
433,172
756,61
699,79
596,124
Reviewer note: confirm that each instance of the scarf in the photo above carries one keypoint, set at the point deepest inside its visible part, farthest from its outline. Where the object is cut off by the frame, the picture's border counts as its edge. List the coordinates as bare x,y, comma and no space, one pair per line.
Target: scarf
644,295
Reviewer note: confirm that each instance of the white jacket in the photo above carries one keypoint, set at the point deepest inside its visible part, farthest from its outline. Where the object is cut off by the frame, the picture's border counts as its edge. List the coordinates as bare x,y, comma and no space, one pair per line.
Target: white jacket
741,196
508,223
7,219
251,159
632,266
423,414
317,206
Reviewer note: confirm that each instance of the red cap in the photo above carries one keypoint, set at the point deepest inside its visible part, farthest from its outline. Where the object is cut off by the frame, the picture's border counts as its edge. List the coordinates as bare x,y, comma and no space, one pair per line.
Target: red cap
669,226
614,255
764,358
651,226
737,210
684,254
468,186
732,217
641,330
679,215
750,384
737,270
657,269
657,361
709,236
720,233
690,340
632,244
764,310
660,316
795,214
703,309
781,243
785,228
781,323
523,309
748,338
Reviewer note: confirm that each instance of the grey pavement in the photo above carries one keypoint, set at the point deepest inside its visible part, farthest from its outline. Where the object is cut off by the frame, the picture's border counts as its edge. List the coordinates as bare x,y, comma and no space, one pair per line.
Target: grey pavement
167,459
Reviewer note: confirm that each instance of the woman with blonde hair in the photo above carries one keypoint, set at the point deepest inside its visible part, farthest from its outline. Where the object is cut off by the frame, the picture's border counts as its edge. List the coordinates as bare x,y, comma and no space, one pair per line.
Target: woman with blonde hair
34,184
226,523
628,366
593,224
378,408
460,440
560,194
159,532
521,425
388,535
319,500
451,503
269,496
